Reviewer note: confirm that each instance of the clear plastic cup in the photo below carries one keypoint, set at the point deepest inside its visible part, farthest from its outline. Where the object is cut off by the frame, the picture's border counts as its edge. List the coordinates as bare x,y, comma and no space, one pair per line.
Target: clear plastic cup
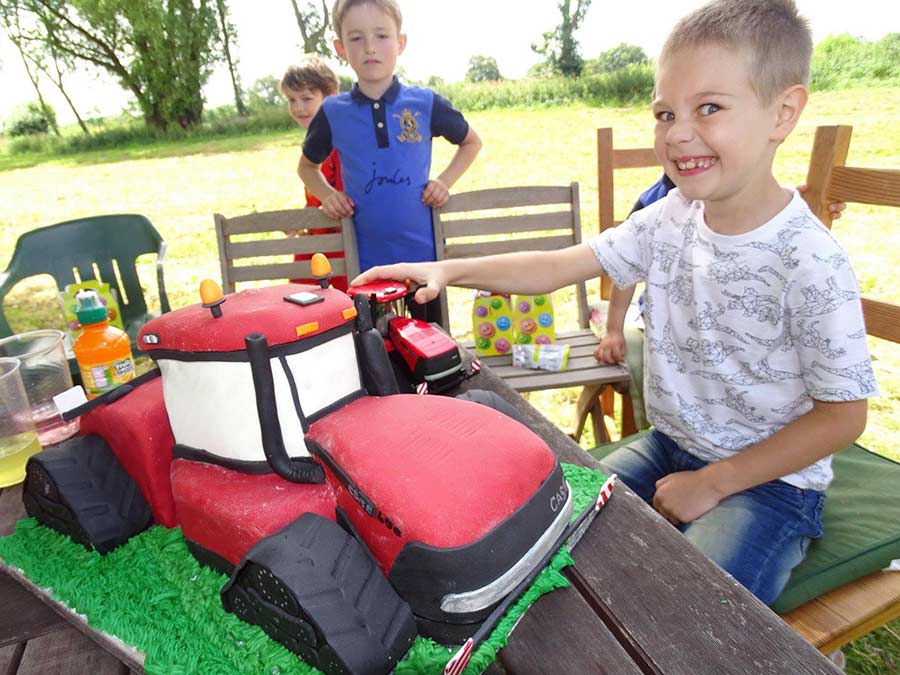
18,441
45,373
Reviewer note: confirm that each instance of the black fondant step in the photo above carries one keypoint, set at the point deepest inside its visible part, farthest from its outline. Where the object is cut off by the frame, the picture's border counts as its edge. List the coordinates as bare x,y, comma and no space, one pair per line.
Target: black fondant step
314,589
79,488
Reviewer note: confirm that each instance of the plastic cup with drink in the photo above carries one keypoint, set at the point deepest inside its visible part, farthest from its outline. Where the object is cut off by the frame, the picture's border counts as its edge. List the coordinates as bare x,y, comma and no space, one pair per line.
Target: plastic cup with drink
18,440
45,373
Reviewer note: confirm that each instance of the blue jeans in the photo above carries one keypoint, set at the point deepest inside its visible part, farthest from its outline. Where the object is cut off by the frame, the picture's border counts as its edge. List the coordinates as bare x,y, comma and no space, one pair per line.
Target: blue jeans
758,535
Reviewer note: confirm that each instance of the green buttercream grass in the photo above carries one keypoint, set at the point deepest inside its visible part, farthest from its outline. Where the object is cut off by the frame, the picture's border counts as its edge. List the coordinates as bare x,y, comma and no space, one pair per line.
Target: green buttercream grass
152,594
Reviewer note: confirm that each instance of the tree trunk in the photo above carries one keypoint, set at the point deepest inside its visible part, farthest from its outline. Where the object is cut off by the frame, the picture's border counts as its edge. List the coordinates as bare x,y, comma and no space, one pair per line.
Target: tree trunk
51,119
232,69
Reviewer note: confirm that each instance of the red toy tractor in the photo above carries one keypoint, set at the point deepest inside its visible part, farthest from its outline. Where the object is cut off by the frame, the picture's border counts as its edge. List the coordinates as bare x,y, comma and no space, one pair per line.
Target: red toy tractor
349,516
424,357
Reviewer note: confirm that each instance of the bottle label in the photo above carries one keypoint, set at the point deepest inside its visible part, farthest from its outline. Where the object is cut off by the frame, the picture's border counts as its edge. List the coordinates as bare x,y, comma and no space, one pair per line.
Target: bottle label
100,378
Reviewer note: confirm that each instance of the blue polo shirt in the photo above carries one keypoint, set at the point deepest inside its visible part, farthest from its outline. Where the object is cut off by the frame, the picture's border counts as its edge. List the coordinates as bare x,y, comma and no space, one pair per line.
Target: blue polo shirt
385,152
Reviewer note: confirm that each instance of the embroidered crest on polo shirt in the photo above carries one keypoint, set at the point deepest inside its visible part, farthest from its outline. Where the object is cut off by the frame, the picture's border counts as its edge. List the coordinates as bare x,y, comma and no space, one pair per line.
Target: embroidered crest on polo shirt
410,126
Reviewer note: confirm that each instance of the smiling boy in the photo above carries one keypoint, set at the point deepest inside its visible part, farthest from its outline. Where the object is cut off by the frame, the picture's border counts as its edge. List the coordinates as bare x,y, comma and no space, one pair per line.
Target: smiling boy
382,131
755,352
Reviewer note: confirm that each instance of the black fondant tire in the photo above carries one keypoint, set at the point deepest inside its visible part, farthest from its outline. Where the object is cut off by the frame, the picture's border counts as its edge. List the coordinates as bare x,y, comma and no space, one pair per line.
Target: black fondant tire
79,488
313,588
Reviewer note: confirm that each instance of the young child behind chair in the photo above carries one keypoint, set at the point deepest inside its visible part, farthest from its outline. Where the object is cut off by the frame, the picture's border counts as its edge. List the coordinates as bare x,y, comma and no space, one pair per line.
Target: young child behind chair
305,87
756,360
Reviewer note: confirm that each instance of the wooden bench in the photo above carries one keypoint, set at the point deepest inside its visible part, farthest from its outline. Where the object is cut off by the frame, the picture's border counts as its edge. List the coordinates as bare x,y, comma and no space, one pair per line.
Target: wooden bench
844,614
532,218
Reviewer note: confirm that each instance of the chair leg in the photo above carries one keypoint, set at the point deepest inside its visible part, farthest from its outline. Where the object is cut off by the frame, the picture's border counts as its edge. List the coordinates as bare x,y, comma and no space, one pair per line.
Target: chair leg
588,401
628,425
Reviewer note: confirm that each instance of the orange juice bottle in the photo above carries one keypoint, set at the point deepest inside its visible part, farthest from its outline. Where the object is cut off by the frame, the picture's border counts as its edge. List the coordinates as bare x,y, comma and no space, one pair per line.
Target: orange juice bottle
103,352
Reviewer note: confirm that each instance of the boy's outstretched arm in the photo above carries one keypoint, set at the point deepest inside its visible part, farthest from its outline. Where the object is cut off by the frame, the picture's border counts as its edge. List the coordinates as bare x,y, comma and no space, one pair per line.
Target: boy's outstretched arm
528,272
612,347
437,191
685,496
335,204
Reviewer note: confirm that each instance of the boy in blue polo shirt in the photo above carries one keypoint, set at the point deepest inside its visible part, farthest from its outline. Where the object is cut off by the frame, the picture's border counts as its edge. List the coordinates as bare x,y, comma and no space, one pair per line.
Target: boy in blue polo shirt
382,131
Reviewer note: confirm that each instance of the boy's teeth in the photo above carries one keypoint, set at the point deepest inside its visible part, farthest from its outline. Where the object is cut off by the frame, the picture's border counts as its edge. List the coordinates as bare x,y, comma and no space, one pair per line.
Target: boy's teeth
695,163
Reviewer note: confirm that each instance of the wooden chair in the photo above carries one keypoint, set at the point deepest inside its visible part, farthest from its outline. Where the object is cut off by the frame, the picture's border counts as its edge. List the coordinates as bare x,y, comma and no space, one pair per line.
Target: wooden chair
600,401
844,614
531,228
248,243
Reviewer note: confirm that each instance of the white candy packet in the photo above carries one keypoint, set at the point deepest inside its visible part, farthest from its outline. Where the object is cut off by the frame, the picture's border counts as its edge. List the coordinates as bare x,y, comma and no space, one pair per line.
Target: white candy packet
541,357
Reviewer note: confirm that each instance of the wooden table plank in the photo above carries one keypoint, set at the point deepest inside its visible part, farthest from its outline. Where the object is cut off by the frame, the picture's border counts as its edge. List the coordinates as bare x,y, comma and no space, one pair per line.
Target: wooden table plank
553,621
65,652
23,616
656,591
10,656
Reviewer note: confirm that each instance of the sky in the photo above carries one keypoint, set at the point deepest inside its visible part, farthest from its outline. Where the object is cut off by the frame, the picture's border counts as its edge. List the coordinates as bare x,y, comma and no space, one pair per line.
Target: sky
442,36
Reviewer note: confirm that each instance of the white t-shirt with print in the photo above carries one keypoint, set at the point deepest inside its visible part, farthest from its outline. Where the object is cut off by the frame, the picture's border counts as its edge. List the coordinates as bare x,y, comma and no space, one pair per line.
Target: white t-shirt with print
742,331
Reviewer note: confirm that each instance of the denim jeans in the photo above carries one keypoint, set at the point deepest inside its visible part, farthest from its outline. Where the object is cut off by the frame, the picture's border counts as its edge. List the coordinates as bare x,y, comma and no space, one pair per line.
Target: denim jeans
758,535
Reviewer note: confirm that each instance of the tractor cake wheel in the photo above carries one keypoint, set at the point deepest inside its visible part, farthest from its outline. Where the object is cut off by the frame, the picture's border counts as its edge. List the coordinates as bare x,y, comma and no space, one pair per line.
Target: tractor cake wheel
79,489
316,590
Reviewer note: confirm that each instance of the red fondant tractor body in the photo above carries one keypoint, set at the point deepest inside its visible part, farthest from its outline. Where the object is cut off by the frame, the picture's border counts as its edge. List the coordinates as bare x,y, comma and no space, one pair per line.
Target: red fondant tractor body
277,440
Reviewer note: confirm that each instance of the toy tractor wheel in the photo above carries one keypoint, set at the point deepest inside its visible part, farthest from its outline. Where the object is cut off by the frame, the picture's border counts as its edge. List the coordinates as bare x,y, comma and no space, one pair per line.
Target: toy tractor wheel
79,489
316,590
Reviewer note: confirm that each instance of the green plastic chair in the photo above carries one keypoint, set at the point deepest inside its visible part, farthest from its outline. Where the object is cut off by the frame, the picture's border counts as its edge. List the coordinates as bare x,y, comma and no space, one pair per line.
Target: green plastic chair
82,244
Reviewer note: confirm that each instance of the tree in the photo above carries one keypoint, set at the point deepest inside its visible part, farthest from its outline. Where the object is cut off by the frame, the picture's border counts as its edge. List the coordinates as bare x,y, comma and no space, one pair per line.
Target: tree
560,48
264,92
617,58
159,50
313,27
229,36
30,118
12,23
483,69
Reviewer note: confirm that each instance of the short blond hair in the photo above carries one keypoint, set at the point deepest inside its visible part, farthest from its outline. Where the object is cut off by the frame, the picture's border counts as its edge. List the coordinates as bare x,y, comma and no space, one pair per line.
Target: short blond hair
341,7
776,38
312,73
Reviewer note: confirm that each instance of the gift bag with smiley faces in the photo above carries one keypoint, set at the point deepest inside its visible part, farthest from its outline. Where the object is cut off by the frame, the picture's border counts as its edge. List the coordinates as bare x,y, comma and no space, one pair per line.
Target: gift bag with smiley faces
533,321
492,324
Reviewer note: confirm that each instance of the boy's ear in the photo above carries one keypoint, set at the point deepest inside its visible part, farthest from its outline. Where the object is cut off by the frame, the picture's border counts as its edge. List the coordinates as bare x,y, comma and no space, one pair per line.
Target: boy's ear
339,48
401,42
791,103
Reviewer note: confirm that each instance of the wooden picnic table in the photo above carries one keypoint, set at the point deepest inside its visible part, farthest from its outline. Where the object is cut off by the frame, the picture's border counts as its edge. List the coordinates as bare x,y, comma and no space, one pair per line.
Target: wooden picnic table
642,601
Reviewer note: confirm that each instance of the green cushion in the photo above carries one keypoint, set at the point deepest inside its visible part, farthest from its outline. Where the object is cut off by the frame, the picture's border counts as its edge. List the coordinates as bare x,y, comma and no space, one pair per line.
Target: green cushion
861,520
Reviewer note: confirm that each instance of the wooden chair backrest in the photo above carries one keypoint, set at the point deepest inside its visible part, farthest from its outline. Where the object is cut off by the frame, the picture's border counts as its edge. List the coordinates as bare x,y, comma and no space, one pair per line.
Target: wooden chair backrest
608,160
248,243
529,229
830,180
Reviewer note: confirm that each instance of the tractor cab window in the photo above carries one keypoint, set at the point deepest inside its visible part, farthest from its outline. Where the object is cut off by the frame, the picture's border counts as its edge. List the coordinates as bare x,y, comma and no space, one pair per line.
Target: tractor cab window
336,373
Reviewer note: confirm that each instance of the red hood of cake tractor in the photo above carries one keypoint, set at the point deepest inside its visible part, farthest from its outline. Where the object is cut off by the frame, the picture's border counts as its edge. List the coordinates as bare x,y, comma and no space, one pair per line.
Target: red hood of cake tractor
255,310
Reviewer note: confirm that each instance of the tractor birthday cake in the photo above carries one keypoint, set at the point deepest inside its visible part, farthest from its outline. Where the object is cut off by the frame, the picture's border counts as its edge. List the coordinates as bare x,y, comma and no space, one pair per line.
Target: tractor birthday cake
349,516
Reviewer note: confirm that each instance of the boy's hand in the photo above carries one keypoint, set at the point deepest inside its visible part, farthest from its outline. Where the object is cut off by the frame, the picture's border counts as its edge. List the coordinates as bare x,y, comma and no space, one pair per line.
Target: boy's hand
425,275
835,209
338,205
435,193
684,496
611,348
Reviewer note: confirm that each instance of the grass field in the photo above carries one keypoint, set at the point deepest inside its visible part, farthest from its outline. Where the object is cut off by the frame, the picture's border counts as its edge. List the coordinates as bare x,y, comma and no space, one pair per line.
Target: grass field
179,186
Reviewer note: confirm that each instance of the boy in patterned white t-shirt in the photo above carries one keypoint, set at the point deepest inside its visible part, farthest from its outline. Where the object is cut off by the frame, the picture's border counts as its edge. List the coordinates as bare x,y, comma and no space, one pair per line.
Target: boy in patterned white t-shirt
755,350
